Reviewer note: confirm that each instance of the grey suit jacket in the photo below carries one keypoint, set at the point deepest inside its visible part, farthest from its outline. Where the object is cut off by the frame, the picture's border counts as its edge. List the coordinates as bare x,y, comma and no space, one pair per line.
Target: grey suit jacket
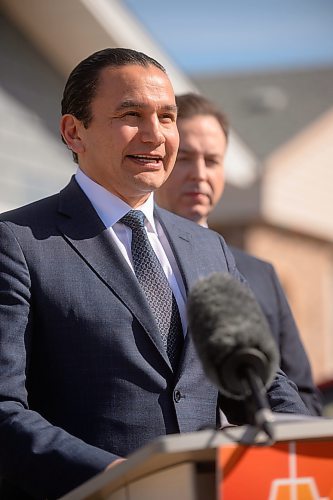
84,376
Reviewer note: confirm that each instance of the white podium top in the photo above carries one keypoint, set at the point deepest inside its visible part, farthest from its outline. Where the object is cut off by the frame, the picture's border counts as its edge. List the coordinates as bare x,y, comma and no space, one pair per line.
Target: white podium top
167,451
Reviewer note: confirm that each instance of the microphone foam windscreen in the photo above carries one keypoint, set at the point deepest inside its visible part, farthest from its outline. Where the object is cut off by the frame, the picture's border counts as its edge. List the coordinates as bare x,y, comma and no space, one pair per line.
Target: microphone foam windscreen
225,320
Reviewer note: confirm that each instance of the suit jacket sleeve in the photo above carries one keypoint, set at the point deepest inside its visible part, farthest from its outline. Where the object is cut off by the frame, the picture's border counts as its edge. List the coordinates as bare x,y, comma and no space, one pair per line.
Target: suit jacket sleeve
282,396
294,360
60,460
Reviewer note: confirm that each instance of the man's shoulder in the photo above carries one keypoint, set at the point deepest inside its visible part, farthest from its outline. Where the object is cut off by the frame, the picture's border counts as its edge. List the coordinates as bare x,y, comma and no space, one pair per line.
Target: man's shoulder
34,211
243,258
259,273
30,210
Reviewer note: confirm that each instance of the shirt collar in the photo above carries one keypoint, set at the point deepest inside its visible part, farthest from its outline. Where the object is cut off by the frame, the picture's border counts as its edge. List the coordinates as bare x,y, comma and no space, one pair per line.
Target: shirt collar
108,206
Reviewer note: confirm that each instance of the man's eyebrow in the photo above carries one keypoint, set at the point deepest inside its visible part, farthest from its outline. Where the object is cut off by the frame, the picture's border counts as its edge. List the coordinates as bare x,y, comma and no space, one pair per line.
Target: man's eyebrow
189,151
184,150
129,103
170,107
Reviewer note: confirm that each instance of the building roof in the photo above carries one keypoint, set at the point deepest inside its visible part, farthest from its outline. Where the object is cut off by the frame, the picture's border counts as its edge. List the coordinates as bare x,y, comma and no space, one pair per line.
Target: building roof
268,109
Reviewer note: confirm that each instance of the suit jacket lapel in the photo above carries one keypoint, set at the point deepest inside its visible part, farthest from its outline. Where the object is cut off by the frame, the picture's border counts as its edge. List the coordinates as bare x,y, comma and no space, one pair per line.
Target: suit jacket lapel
86,233
183,246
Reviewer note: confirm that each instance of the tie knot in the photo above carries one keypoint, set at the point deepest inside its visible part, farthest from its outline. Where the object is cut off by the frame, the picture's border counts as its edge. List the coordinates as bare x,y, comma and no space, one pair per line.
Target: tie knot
134,219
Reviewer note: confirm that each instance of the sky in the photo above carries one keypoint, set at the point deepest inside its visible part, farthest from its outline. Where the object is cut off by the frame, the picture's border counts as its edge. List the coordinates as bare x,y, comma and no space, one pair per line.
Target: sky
234,36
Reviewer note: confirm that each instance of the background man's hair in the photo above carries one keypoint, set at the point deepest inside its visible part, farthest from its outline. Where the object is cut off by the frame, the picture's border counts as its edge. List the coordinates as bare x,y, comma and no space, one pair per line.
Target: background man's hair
82,83
190,105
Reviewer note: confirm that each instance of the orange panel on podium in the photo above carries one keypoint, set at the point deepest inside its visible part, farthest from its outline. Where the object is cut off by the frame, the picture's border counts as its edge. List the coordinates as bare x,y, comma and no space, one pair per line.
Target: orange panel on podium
287,471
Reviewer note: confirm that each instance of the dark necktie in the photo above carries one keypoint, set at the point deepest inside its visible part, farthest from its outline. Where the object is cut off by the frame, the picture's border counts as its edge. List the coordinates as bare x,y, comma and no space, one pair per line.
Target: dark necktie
155,285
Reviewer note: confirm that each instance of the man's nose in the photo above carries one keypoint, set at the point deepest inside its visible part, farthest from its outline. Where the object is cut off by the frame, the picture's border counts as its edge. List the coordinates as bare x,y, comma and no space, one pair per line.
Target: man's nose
151,131
199,169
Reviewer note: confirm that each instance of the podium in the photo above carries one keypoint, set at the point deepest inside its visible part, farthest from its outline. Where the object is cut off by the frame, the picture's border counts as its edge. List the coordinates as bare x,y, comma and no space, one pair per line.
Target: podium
209,465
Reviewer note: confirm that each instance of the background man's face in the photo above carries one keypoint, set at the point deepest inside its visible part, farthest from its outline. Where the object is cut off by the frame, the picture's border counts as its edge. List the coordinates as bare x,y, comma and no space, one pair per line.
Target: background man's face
131,143
197,181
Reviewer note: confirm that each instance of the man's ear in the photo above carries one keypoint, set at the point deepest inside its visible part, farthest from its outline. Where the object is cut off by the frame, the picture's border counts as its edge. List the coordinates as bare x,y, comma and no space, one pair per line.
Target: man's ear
70,128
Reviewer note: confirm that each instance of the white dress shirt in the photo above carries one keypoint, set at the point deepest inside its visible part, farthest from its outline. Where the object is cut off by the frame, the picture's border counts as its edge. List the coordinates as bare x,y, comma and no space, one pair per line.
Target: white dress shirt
110,209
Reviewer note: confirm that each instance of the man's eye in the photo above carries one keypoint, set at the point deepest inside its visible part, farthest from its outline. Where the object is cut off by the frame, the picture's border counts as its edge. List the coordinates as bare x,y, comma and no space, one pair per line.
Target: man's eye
212,162
167,118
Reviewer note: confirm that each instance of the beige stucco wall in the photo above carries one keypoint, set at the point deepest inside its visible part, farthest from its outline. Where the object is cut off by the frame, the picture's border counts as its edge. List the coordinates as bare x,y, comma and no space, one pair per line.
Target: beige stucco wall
296,191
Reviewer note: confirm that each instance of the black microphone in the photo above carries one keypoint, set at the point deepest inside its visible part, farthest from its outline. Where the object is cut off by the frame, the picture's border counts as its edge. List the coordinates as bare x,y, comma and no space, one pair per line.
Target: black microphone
233,341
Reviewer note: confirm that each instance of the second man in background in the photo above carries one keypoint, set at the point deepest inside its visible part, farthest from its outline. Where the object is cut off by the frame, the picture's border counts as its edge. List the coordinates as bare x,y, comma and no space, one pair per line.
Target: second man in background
193,190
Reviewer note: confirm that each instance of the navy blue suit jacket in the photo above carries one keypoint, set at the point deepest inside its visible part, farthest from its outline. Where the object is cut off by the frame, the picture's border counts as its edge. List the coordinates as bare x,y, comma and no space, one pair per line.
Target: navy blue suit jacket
84,375
266,286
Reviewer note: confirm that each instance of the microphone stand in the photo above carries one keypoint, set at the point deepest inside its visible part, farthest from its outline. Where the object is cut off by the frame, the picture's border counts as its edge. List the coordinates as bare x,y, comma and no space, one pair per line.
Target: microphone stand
263,416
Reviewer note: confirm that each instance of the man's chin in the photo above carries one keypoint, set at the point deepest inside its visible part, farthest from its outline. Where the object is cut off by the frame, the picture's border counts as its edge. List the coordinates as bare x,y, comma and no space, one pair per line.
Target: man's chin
197,215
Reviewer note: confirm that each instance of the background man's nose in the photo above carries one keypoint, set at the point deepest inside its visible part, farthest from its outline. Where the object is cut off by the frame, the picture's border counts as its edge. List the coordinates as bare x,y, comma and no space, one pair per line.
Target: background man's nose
199,170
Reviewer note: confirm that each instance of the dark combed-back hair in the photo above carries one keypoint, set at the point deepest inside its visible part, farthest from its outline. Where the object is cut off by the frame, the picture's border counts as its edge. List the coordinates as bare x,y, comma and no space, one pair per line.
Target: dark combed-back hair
82,83
190,105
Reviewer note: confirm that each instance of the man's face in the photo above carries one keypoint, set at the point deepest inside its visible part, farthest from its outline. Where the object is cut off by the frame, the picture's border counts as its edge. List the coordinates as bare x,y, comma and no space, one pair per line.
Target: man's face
131,143
197,181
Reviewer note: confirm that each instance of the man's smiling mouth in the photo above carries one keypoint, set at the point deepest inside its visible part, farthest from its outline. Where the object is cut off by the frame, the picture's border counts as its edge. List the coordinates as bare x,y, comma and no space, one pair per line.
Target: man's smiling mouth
146,158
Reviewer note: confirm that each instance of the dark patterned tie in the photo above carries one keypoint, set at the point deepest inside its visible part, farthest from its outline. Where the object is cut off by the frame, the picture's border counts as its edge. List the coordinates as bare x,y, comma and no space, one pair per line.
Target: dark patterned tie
155,285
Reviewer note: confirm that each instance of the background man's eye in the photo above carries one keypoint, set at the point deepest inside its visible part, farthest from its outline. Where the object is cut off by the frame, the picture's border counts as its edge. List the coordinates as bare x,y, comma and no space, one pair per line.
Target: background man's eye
212,161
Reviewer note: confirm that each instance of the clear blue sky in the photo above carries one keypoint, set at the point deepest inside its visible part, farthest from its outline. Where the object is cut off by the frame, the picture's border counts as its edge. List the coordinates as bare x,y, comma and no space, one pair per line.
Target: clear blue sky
240,35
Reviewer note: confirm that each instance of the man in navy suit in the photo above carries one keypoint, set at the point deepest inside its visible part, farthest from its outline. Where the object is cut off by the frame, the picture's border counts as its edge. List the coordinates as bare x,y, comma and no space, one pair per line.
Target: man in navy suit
193,190
86,377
